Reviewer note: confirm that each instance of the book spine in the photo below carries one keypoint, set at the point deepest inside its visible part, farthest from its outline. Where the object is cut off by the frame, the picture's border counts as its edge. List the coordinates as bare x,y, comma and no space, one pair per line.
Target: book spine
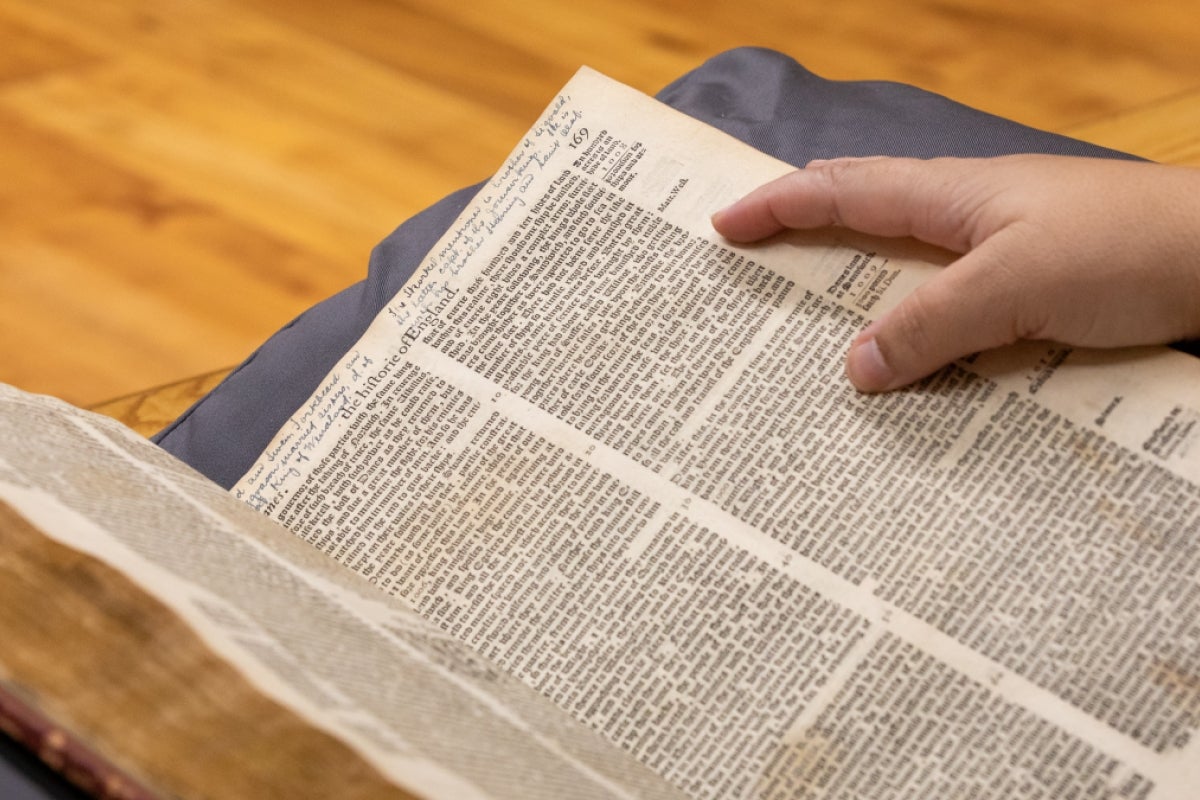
65,753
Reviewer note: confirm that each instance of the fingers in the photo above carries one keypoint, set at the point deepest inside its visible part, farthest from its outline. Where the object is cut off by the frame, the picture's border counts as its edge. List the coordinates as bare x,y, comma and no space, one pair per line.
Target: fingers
905,346
964,309
1083,251
952,316
881,196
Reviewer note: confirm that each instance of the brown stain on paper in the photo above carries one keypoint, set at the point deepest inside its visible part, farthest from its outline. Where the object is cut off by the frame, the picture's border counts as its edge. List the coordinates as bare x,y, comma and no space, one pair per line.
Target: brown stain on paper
1181,683
802,766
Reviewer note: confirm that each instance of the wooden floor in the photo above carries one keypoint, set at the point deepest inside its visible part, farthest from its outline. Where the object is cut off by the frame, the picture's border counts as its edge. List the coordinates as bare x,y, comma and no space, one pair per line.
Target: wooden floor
179,178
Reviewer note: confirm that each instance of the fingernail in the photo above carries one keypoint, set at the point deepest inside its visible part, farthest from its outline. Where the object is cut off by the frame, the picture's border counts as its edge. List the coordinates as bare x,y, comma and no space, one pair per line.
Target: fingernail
866,368
717,219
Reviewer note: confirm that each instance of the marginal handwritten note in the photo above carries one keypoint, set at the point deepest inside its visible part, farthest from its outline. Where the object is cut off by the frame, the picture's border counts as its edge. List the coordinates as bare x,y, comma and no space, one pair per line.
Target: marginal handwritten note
503,194
416,309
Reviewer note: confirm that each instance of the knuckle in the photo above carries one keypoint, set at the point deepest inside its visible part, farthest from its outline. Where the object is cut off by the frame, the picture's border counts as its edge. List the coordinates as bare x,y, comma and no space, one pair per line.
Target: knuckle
831,176
912,321
911,336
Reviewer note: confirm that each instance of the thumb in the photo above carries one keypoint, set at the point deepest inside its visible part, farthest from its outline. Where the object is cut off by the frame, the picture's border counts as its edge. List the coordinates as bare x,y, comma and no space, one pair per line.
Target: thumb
965,308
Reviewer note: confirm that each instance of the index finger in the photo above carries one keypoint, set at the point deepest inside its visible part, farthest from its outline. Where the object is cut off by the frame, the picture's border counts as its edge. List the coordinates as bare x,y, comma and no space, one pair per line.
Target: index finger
881,196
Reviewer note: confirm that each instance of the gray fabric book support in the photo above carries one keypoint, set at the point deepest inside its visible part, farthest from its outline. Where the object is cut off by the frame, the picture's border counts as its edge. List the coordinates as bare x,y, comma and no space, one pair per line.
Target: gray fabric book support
762,97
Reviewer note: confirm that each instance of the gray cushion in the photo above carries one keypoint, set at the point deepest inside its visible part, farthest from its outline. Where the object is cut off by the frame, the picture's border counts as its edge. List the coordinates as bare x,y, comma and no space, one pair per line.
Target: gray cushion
762,97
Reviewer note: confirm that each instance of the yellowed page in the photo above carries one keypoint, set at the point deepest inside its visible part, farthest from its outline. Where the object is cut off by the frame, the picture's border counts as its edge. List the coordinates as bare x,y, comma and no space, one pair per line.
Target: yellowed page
239,619
616,454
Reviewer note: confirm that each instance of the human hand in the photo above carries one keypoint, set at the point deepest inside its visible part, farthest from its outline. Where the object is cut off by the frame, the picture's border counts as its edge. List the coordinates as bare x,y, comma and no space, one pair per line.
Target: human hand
1087,252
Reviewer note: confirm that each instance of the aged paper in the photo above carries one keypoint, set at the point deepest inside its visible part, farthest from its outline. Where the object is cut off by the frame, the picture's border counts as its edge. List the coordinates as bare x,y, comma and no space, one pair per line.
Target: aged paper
616,455
432,716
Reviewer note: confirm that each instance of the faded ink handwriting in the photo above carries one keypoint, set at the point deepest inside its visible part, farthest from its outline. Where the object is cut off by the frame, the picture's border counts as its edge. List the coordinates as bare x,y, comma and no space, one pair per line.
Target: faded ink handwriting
418,306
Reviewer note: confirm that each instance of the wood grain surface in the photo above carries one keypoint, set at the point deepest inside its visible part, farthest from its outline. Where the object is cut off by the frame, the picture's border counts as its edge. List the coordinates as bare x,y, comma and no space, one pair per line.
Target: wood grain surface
180,178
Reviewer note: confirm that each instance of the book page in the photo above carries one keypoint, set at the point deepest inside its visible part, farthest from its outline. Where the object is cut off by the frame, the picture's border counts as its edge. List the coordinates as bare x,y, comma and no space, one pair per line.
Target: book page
616,455
422,709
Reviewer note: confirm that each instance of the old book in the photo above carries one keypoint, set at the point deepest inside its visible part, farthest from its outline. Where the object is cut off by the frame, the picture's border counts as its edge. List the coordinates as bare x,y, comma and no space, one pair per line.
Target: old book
589,512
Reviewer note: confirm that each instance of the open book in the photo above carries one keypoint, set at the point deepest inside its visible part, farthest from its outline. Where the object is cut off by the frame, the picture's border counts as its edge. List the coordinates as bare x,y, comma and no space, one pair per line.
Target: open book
590,512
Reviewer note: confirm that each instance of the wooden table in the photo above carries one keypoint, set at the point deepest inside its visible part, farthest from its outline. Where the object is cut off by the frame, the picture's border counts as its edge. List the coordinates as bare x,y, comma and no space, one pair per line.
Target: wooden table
150,411
1167,131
